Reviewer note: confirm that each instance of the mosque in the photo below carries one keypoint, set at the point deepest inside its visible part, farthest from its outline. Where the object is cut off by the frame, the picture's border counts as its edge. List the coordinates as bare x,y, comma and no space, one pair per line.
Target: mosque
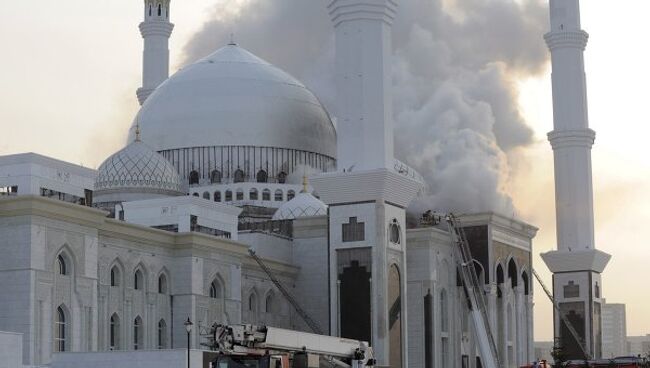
231,153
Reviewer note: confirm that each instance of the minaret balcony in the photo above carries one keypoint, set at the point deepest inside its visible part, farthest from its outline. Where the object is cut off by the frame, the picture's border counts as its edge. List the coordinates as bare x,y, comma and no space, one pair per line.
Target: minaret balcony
566,39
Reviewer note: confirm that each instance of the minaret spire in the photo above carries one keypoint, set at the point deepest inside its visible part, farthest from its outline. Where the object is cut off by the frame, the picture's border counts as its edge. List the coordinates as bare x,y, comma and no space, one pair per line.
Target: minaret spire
576,264
156,30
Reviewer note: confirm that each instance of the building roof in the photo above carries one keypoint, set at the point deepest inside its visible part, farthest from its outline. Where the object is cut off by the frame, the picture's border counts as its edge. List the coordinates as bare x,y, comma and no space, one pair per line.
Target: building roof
234,98
303,205
137,166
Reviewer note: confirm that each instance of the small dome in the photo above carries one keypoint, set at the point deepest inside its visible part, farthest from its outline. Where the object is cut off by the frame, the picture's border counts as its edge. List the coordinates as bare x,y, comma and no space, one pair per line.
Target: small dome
137,168
303,205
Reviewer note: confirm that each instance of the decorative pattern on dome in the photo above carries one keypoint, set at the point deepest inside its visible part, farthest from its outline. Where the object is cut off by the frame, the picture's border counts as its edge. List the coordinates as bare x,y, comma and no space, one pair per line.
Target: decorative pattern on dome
137,166
303,205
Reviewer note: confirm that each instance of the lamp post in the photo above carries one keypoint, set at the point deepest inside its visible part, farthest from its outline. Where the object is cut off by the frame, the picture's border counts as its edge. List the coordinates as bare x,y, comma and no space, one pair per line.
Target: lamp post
188,327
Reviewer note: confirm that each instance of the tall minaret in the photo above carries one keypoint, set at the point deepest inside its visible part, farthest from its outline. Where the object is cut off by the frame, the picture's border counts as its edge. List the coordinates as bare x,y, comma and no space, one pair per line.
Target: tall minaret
155,29
367,196
576,264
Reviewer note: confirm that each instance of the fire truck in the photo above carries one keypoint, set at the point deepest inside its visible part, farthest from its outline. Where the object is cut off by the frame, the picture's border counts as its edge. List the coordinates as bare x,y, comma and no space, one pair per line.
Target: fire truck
249,346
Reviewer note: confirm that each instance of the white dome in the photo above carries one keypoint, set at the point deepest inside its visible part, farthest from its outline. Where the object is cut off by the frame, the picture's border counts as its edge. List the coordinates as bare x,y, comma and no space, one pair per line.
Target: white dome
137,167
234,98
303,205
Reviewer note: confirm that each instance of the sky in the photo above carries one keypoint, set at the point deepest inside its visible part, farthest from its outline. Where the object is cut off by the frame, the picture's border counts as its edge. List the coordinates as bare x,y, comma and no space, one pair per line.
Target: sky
69,71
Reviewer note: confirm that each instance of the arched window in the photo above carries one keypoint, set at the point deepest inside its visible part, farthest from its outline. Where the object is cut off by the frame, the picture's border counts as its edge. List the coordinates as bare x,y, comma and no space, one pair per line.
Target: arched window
115,276
252,195
137,334
217,196
215,290
162,284
228,195
524,280
60,330
196,194
512,273
252,307
240,194
194,177
279,197
61,265
262,176
138,280
596,291
206,195
150,9
215,177
395,233
159,9
269,304
500,281
266,195
162,334
291,195
282,177
114,332
239,176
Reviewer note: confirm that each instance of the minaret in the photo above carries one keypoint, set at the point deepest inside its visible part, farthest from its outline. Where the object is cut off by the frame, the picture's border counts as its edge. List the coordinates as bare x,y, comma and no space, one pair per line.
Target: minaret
576,264
367,196
155,29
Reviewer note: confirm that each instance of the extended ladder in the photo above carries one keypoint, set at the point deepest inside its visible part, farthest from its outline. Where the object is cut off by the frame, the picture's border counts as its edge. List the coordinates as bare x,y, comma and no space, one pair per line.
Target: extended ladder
564,318
305,317
486,343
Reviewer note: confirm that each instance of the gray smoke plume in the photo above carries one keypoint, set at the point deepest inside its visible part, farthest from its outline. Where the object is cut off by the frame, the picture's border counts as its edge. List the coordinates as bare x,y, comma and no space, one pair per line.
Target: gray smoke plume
455,67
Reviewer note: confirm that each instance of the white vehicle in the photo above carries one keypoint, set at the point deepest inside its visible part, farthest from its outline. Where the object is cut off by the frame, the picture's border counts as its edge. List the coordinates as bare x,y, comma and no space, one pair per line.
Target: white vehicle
248,346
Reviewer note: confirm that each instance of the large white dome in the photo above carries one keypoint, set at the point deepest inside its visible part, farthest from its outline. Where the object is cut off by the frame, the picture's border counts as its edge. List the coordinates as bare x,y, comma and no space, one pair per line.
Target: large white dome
234,98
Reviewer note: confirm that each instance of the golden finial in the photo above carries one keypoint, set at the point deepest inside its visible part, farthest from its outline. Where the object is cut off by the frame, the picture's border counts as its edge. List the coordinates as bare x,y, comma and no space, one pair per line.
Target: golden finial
305,183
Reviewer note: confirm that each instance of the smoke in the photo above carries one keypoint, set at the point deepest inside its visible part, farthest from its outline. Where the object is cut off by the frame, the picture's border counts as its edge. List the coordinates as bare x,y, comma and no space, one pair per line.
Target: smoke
456,63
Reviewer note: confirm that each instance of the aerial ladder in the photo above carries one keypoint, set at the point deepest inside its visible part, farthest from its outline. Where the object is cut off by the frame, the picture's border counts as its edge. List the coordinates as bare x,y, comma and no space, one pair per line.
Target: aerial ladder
474,292
269,347
301,312
564,318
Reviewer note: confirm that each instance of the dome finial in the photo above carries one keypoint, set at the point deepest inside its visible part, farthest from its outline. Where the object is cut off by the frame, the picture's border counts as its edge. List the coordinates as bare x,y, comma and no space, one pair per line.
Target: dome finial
137,131
305,183
232,40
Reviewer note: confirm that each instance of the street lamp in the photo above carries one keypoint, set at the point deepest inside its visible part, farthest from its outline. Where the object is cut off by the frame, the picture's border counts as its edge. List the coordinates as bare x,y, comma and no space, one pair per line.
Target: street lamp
188,327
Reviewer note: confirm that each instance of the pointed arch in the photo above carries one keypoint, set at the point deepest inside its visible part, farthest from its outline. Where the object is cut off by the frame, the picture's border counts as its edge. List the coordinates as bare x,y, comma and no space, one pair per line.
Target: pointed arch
500,280
163,281
252,305
114,332
525,282
270,302
140,277
138,334
162,334
116,273
64,262
61,328
513,273
266,194
216,289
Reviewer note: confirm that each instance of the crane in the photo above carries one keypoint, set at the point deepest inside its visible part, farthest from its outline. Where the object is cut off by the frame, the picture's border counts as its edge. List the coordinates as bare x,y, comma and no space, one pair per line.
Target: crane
563,316
261,346
301,312
475,295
